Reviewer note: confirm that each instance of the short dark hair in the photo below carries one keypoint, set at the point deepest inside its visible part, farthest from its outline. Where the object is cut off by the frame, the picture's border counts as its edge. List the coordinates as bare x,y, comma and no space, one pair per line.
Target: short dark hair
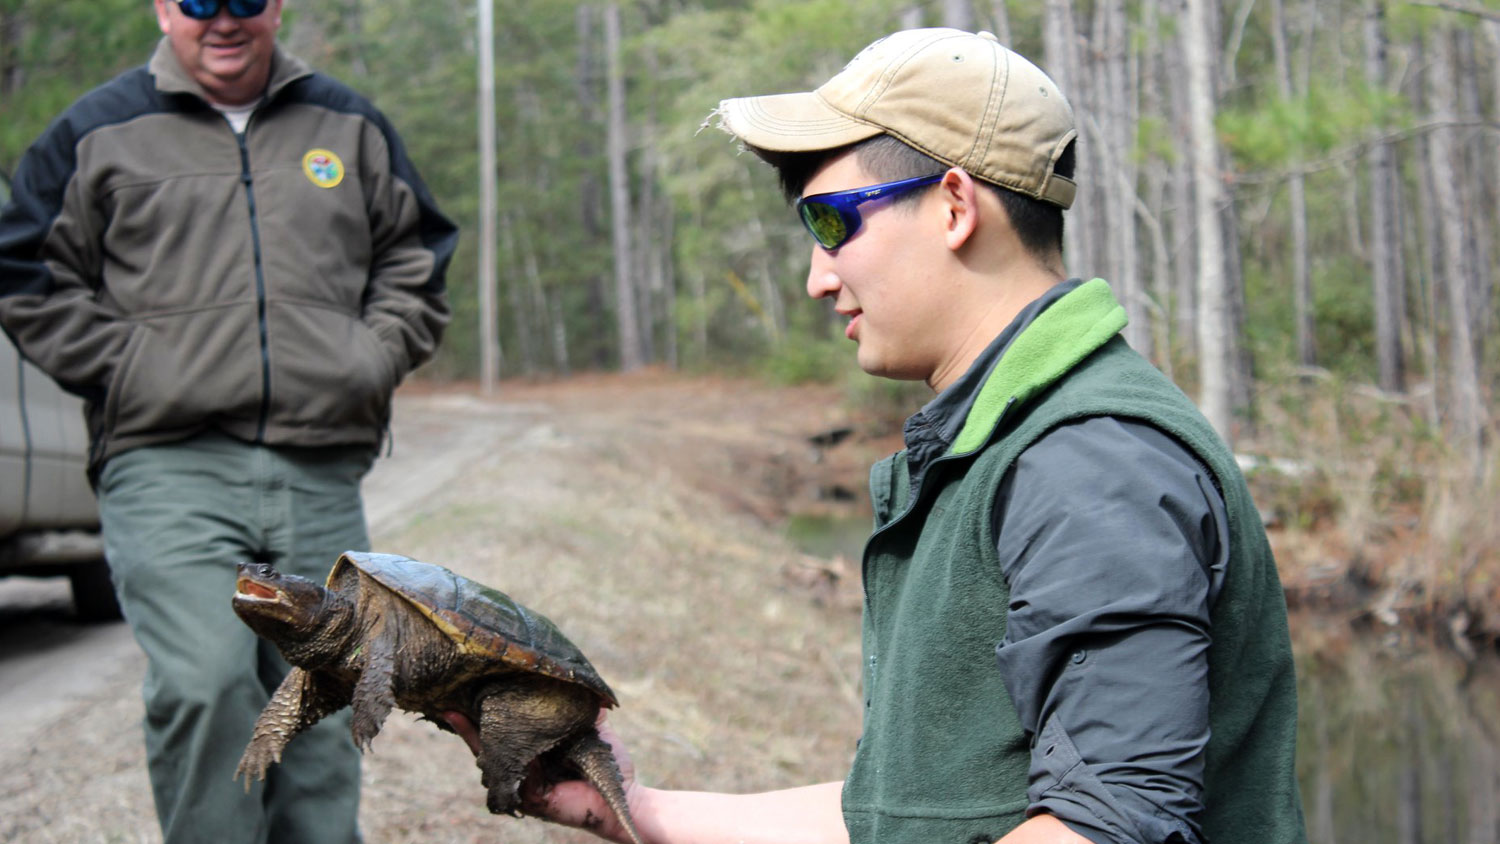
1038,223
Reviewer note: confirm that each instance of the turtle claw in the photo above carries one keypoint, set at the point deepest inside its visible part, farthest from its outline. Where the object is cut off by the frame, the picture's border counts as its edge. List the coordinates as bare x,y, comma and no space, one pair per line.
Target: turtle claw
255,762
500,803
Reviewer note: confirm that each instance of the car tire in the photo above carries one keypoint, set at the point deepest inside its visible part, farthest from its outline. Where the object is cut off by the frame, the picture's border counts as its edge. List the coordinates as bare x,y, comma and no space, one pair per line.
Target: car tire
94,594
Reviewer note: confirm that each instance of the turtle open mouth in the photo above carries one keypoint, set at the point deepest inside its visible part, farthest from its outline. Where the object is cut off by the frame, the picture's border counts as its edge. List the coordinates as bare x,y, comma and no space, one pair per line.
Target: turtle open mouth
251,589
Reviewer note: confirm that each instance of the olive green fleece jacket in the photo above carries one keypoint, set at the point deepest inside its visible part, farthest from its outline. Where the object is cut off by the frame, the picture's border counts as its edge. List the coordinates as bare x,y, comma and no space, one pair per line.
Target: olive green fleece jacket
274,285
944,758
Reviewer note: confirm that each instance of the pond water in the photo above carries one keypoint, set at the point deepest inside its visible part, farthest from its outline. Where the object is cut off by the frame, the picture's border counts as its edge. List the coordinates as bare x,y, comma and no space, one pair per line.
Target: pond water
1398,737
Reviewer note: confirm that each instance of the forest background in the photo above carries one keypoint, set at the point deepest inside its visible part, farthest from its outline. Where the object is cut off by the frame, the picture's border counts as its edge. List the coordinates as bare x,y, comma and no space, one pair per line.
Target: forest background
1295,199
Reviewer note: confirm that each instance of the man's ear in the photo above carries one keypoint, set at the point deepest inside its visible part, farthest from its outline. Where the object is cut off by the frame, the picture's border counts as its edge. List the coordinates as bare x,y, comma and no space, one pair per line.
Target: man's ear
163,20
960,198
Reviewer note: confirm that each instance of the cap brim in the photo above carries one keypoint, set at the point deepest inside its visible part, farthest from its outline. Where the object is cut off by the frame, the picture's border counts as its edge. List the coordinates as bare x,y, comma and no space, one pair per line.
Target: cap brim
792,123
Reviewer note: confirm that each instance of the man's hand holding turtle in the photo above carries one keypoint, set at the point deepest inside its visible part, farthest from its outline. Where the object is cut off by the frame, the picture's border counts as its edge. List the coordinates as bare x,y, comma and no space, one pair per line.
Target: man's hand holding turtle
572,802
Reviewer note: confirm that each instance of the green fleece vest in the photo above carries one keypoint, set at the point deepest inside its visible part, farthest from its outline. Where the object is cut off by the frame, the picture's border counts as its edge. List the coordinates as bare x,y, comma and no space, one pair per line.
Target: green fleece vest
943,758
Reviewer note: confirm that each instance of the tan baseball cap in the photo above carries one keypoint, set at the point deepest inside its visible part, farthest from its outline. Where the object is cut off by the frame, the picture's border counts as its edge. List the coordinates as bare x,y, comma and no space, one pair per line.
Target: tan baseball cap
960,97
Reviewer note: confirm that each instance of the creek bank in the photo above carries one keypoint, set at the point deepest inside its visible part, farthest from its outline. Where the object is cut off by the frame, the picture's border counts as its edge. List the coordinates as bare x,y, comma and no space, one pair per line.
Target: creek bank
1368,584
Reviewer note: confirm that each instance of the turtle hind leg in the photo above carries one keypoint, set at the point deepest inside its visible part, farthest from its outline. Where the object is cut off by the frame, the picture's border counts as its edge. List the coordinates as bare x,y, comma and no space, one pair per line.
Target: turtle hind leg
519,720
596,761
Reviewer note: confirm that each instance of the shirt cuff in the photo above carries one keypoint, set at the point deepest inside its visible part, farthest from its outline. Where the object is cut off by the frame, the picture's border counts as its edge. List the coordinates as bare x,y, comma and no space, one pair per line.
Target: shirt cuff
1063,785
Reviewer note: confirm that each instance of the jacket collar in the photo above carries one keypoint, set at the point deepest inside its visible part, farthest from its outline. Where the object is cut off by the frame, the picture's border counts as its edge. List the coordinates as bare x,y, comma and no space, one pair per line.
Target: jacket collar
172,79
1071,329
931,431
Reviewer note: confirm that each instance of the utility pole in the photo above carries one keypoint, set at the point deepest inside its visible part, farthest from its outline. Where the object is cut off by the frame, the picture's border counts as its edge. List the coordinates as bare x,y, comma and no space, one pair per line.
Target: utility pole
489,341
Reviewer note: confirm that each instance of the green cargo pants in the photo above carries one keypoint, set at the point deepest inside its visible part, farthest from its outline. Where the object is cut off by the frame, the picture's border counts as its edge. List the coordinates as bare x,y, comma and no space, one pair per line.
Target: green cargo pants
176,519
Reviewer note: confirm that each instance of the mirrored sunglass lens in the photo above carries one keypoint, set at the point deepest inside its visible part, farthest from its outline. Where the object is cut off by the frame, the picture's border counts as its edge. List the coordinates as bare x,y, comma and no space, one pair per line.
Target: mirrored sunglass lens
825,223
199,9
246,8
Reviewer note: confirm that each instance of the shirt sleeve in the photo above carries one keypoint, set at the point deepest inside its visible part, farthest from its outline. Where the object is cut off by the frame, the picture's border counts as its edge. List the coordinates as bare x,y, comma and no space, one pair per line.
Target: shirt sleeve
406,301
1113,540
50,264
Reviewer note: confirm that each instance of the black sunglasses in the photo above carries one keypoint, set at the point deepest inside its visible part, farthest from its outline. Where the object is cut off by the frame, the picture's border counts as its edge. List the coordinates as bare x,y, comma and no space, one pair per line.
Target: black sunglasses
207,10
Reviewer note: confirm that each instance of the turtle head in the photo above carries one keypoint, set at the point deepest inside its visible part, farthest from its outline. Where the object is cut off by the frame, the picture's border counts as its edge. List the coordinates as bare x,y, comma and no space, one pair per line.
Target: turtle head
284,608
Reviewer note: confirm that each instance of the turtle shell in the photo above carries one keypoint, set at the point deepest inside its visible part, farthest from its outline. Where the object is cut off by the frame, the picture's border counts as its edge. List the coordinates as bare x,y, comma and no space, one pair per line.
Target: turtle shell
481,621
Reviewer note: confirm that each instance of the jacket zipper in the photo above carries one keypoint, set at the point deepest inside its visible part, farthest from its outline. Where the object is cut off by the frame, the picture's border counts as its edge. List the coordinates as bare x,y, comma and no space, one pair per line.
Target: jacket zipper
916,496
260,288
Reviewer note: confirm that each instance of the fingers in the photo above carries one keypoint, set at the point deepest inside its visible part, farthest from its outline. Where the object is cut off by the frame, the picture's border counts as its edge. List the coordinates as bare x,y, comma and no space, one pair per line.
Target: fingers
572,803
465,729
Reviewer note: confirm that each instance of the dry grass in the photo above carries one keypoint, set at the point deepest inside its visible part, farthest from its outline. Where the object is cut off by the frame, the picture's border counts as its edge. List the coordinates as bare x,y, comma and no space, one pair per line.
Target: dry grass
632,512
1379,508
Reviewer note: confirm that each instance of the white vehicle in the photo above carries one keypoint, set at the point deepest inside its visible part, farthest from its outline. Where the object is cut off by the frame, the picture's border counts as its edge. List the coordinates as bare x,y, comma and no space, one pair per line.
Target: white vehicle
49,519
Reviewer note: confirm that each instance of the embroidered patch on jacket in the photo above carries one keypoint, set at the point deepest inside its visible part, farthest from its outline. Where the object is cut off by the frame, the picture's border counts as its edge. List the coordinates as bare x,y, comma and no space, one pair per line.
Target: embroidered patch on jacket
323,168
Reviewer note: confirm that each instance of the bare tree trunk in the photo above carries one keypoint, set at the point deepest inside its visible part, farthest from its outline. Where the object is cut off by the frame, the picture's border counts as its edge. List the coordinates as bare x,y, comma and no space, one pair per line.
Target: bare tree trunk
1478,191
515,293
648,255
1388,272
1095,205
1060,40
536,295
1242,369
590,194
958,14
911,18
1116,136
1467,410
1236,37
770,294
1297,195
1426,248
1215,355
488,280
668,297
559,320
626,313
1156,176
699,282
643,252
1184,217
1001,19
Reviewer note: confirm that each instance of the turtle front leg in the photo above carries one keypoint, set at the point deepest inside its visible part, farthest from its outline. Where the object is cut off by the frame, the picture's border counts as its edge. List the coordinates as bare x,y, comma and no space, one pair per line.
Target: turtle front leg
299,702
374,696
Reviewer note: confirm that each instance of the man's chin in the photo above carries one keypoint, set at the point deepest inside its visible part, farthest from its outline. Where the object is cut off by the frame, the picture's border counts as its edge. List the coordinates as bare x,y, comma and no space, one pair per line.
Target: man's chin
227,82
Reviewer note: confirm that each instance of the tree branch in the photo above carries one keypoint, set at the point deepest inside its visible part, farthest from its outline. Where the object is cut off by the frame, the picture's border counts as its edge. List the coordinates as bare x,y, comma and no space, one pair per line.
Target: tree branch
1353,151
1461,8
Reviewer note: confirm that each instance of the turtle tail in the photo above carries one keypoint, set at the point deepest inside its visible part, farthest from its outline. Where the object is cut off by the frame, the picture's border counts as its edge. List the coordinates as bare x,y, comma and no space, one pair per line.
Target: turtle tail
596,761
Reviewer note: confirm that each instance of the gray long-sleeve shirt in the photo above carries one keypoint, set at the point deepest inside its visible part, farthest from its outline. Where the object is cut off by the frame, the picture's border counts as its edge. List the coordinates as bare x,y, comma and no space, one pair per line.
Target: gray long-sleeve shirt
1113,541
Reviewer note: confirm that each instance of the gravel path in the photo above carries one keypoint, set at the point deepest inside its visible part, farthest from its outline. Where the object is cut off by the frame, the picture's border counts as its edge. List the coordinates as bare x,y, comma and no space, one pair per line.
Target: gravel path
637,512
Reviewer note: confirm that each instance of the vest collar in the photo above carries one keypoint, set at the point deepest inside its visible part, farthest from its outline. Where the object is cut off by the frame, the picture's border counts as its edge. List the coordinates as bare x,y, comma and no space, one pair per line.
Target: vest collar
1068,331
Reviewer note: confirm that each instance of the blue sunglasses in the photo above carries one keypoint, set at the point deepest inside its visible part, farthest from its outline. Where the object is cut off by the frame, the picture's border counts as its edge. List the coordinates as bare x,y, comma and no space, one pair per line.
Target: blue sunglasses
833,218
207,10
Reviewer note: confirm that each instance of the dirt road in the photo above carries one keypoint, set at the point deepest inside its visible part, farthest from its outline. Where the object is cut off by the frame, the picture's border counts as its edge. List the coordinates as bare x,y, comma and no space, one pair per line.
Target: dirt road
640,513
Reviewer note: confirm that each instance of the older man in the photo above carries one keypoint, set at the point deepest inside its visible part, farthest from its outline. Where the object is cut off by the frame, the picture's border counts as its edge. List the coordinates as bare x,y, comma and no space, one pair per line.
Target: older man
231,258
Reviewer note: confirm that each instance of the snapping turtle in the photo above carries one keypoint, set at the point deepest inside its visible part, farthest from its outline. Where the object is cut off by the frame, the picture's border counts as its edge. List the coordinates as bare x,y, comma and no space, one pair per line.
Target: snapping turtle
390,631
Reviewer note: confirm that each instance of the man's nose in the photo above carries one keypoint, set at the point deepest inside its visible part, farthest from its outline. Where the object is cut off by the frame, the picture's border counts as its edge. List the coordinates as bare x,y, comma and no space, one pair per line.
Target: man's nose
821,279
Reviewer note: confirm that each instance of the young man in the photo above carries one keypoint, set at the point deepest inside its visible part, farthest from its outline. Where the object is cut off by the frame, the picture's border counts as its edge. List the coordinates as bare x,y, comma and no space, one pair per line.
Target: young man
232,260
1073,625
